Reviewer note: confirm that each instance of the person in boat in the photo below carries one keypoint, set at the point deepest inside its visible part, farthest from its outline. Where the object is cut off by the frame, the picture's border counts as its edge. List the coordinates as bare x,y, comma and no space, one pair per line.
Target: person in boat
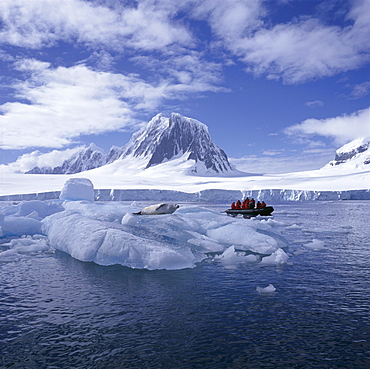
245,204
252,203
263,204
238,205
259,205
233,206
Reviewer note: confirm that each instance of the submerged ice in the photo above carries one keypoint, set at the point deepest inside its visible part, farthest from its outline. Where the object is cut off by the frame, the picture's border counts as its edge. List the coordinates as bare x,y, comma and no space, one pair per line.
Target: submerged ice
109,233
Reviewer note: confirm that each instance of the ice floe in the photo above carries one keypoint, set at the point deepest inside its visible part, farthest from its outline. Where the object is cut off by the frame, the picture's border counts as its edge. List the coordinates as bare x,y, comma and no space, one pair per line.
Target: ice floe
269,289
109,233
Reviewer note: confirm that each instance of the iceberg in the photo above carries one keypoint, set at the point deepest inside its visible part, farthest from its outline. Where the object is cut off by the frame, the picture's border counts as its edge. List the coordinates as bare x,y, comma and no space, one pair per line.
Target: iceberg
107,244
109,233
93,232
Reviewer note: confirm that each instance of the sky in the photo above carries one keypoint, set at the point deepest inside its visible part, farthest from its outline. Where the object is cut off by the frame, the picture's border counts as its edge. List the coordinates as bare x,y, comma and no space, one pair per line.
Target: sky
281,84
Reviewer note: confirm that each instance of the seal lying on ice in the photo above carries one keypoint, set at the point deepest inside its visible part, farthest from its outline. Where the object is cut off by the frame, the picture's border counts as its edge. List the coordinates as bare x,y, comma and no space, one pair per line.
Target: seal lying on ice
158,209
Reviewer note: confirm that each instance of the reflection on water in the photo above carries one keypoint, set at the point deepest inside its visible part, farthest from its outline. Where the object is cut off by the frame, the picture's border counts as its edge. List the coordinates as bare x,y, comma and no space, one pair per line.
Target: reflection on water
57,312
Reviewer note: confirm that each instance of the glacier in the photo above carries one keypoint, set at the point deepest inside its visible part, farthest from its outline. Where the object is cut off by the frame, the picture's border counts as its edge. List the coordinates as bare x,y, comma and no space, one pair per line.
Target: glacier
210,195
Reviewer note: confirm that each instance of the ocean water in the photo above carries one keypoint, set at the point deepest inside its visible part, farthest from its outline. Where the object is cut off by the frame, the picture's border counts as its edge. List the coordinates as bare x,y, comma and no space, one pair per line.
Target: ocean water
57,312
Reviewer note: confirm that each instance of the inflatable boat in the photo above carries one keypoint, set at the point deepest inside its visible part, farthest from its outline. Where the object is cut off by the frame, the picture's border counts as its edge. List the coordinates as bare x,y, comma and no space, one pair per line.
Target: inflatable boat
251,212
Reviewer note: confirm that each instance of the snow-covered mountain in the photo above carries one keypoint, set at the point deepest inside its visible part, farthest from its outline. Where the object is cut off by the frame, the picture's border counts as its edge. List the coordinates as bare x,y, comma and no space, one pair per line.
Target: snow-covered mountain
162,140
86,159
165,139
354,155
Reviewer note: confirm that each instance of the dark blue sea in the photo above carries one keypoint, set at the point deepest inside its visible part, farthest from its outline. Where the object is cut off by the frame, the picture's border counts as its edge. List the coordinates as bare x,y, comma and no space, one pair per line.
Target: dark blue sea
57,312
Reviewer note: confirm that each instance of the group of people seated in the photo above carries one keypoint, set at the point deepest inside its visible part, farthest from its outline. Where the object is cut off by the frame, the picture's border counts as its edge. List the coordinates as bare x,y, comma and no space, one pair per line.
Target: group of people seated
248,204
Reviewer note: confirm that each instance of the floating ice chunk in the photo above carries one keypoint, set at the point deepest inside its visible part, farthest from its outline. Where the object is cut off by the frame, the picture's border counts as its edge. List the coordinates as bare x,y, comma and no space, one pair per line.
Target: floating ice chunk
9,255
269,289
294,226
77,189
328,230
315,244
278,257
232,257
23,246
19,226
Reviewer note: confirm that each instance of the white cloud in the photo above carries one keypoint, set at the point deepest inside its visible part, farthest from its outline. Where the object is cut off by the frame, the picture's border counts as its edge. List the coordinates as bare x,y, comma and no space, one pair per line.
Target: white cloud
231,19
296,51
342,129
271,152
28,161
303,51
314,104
64,103
360,90
185,73
39,23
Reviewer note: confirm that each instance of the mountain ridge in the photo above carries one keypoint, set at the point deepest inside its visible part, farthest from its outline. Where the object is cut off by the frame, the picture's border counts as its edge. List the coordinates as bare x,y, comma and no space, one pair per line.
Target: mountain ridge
355,154
85,159
163,139
185,140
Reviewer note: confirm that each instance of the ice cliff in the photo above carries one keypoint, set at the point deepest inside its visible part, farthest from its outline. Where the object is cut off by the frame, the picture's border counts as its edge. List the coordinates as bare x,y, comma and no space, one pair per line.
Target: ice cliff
211,195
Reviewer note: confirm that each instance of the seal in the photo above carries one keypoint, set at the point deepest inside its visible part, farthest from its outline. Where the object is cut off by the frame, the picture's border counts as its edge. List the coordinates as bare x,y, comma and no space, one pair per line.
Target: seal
158,209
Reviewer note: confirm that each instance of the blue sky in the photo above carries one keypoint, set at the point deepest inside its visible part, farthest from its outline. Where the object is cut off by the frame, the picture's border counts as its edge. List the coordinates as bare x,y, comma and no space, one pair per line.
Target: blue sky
280,84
